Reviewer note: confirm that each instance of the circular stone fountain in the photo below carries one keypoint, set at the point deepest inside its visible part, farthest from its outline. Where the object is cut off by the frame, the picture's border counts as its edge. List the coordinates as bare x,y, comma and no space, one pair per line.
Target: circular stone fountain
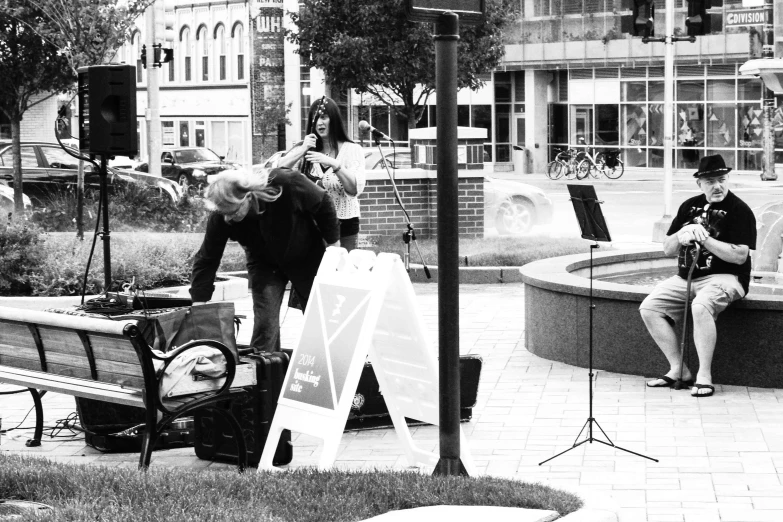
557,318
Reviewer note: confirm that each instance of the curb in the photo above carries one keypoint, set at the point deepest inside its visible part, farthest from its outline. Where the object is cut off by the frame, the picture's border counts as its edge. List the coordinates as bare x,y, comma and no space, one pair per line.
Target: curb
598,507
471,275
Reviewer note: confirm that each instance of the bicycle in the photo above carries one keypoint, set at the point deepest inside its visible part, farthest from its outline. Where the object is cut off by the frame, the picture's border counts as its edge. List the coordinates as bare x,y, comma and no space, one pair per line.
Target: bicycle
608,163
563,164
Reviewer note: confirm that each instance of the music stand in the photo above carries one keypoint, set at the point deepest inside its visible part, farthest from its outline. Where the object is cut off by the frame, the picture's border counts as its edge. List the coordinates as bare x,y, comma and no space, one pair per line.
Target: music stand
593,225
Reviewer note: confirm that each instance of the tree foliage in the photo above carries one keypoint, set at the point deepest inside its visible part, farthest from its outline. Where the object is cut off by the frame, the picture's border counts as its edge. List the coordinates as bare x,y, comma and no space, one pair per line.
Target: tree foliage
30,66
371,46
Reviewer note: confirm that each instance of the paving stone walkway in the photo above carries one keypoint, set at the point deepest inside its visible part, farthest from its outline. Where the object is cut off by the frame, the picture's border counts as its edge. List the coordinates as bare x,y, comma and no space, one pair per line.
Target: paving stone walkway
721,458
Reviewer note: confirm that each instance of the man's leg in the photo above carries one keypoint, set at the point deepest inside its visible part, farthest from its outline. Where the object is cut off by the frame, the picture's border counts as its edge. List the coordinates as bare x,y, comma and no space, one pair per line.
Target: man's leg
704,337
268,288
664,335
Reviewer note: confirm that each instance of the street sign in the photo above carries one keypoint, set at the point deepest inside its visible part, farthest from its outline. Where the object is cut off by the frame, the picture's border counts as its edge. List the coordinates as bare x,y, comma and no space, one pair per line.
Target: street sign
745,17
470,12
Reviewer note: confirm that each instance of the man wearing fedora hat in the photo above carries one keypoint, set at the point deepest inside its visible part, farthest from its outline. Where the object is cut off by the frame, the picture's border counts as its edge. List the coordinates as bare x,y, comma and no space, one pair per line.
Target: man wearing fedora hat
716,230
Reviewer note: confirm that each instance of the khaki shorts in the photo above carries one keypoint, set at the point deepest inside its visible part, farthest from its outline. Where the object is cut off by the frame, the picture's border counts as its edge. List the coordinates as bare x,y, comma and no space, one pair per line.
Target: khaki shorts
713,292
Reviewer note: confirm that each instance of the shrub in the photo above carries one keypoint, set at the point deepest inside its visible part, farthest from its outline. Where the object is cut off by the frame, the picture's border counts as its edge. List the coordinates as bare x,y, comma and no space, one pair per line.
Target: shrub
21,256
132,206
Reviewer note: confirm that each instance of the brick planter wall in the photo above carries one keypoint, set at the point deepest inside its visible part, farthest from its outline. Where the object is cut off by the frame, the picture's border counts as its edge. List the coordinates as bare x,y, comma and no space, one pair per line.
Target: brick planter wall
382,216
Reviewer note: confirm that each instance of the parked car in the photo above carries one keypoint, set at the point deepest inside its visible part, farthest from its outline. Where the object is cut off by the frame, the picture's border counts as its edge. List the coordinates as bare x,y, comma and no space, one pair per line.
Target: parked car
48,169
510,206
190,166
513,207
7,201
399,158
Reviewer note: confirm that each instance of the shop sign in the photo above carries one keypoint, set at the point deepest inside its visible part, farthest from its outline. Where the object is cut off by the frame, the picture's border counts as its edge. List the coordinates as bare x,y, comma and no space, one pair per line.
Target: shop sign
745,17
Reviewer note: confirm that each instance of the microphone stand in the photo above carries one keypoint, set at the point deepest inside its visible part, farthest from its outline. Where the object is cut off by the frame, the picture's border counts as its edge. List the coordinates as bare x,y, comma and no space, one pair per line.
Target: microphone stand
410,234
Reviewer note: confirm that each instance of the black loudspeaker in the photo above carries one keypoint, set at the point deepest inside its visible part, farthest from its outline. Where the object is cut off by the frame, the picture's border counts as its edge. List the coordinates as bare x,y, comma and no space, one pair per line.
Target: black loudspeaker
107,110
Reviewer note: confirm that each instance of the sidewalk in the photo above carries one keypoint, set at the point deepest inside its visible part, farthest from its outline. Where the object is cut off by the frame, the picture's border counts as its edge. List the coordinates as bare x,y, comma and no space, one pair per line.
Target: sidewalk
679,179
721,458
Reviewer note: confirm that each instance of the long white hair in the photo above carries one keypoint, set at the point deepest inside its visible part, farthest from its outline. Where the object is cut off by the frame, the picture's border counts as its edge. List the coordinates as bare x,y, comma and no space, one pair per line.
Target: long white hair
230,189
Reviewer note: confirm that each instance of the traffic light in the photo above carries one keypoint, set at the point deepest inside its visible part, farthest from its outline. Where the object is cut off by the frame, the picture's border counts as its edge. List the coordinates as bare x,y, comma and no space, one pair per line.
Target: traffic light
144,56
169,21
107,110
699,21
640,22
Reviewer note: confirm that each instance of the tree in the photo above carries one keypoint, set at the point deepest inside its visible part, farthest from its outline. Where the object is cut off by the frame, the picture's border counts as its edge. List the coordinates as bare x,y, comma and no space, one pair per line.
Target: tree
30,66
85,32
371,46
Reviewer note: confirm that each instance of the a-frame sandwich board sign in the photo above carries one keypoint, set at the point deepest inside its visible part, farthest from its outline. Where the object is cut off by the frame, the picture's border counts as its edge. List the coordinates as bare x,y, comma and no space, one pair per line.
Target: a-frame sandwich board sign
360,306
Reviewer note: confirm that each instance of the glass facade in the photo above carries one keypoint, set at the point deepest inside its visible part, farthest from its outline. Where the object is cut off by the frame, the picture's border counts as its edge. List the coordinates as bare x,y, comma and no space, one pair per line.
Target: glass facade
715,112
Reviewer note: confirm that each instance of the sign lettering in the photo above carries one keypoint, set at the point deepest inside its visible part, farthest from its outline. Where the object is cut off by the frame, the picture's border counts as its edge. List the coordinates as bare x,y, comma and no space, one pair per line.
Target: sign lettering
745,17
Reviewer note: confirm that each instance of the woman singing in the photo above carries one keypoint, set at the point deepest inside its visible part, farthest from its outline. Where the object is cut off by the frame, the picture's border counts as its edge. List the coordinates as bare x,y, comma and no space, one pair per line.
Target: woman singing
335,162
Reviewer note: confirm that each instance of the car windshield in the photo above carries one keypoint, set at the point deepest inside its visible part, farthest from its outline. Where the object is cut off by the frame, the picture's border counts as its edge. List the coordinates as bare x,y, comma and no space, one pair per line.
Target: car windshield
195,155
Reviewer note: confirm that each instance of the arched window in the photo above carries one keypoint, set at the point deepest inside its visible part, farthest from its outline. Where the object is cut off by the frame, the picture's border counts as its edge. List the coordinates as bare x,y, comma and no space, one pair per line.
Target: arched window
202,51
186,51
220,47
238,45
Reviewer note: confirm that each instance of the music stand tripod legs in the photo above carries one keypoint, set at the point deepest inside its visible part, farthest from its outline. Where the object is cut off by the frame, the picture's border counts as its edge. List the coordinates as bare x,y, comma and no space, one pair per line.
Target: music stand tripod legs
593,226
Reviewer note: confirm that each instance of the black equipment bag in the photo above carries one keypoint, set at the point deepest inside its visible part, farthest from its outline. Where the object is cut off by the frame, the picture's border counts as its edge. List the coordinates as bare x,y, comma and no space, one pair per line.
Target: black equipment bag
369,409
611,158
117,428
254,410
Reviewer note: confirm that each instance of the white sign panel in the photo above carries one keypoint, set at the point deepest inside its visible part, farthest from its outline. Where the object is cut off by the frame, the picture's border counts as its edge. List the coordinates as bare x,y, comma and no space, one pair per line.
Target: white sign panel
360,306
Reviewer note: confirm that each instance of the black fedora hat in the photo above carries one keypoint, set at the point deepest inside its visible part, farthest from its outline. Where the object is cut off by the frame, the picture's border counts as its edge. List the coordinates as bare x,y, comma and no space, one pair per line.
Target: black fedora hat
711,166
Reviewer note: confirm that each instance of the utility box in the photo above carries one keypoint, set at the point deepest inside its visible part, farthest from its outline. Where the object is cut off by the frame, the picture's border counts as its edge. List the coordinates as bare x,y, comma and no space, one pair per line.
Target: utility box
470,148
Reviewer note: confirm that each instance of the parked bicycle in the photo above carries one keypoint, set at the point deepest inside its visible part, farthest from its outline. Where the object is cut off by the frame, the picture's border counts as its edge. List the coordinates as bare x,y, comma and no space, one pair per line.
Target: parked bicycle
607,163
564,164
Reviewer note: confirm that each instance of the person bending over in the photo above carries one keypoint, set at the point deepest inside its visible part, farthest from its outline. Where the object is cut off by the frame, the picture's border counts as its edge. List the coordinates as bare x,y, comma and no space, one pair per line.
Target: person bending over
724,228
334,162
284,223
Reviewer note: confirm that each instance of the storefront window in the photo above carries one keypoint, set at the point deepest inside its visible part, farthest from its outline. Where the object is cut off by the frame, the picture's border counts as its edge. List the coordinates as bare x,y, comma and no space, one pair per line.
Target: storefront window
634,131
720,126
728,156
690,125
690,90
718,90
635,157
749,159
606,124
656,91
634,91
503,132
688,158
748,89
749,128
558,123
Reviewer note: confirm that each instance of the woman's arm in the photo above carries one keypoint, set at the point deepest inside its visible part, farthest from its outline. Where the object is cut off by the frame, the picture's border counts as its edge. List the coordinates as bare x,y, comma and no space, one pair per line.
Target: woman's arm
297,152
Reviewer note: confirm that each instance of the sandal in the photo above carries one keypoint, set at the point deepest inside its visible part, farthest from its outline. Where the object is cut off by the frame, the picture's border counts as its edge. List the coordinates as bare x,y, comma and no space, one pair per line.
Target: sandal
668,382
698,387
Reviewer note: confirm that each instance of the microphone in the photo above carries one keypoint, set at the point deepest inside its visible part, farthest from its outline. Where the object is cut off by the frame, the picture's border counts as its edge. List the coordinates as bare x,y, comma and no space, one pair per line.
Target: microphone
364,126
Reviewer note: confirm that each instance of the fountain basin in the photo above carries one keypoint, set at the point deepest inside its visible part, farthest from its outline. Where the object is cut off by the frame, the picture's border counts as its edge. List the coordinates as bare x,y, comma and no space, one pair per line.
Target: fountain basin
557,320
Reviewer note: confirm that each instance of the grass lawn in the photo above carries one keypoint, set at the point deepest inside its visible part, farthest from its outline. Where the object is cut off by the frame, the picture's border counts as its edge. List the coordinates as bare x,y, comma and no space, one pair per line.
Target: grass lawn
82,492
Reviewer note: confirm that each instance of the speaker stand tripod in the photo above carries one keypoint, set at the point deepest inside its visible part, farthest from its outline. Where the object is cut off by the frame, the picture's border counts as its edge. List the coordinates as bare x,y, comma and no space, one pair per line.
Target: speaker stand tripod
593,225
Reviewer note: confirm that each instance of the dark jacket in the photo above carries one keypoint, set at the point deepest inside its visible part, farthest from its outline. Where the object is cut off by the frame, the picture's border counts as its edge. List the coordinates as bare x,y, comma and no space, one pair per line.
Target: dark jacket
290,233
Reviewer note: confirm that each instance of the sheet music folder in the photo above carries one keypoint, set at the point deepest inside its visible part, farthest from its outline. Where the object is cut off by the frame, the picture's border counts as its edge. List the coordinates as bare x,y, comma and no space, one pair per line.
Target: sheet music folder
588,212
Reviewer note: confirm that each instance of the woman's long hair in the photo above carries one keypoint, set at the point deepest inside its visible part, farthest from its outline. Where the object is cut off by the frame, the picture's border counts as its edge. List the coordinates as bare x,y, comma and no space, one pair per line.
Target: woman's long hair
232,188
336,127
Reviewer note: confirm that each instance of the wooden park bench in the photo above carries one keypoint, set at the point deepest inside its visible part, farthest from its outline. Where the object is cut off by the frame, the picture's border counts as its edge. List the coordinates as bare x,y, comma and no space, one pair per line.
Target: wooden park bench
109,360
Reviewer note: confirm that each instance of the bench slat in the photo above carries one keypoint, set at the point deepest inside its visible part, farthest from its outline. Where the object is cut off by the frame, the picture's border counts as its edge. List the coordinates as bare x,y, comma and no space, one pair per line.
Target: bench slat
17,341
69,322
19,362
113,349
71,386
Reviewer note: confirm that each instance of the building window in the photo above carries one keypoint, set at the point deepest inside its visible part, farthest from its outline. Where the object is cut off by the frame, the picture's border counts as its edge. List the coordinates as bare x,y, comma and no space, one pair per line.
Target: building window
136,53
239,46
203,50
185,50
220,43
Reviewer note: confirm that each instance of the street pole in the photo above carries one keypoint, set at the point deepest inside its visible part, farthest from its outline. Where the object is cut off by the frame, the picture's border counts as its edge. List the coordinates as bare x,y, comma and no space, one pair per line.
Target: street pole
768,102
668,112
152,114
447,35
669,132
